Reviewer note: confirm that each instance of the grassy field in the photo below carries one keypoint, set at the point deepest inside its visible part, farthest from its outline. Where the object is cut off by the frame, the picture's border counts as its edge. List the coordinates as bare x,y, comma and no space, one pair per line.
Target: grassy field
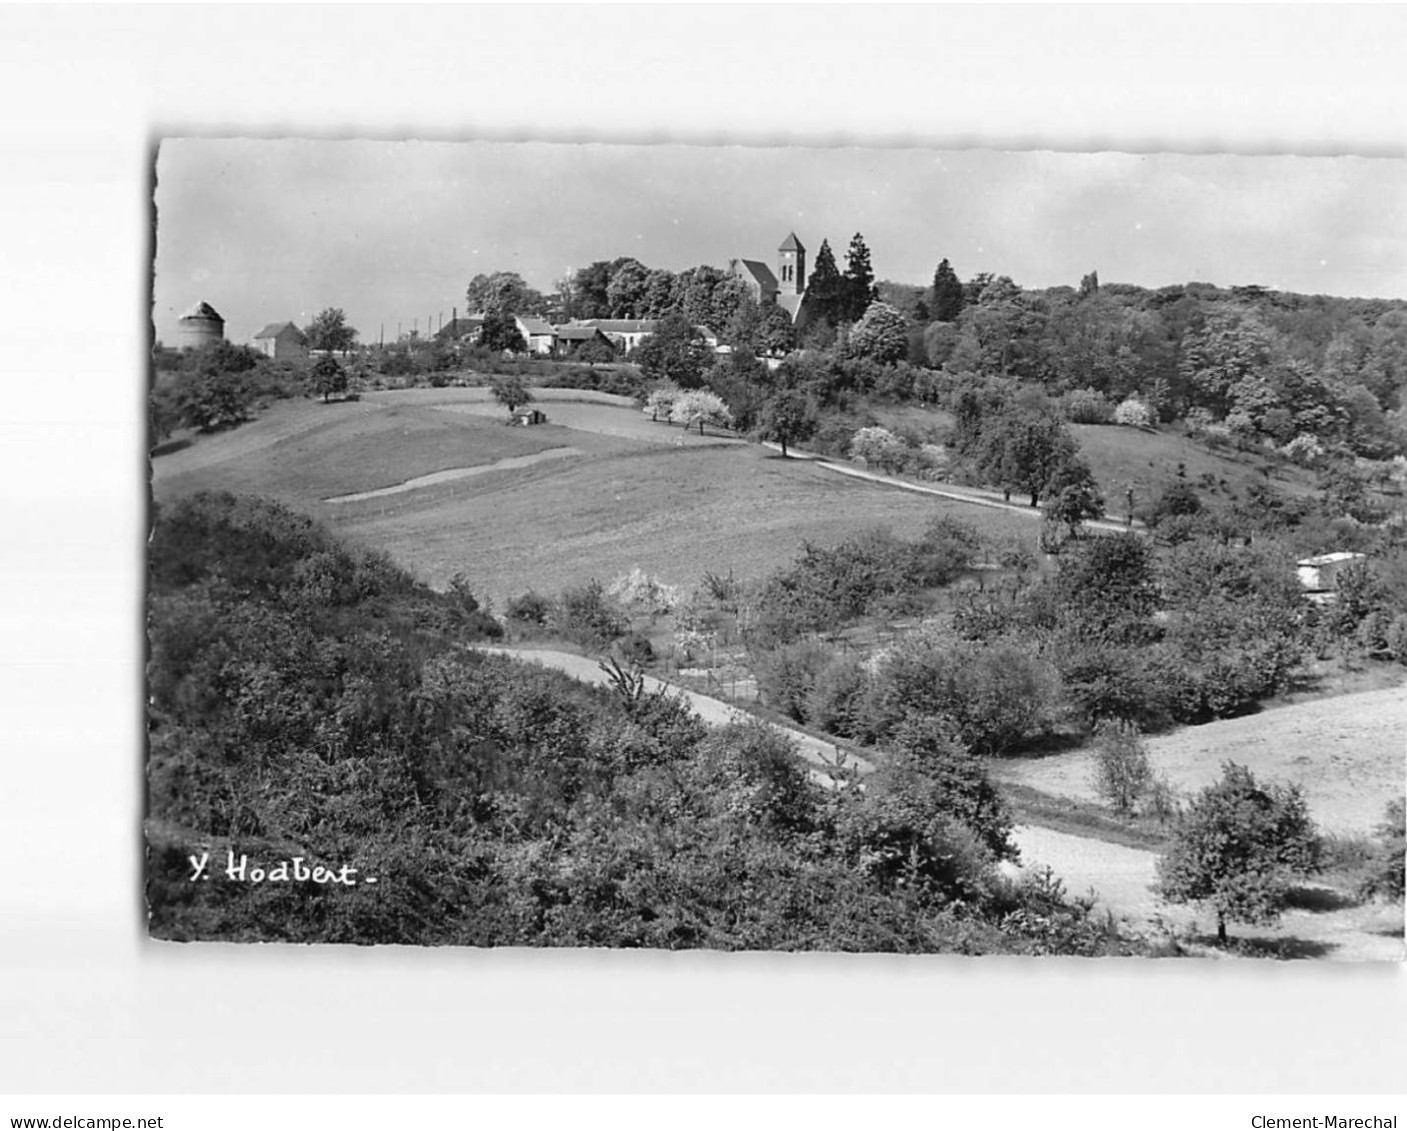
1346,752
1147,461
1121,458
640,493
302,451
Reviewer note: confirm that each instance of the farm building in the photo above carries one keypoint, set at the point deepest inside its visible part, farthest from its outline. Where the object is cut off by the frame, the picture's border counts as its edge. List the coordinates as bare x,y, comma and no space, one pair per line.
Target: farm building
281,340
537,333
1320,575
571,338
625,333
200,325
530,416
464,329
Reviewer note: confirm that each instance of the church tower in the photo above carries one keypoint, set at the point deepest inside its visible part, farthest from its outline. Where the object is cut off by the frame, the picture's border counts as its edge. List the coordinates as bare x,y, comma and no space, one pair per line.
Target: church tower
791,266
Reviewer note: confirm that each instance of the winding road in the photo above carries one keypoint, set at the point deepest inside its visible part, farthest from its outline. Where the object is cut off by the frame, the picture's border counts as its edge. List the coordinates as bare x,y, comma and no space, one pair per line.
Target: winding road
1120,879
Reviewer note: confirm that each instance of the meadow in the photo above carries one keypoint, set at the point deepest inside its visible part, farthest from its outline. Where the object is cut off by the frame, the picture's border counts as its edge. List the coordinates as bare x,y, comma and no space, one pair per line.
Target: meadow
640,493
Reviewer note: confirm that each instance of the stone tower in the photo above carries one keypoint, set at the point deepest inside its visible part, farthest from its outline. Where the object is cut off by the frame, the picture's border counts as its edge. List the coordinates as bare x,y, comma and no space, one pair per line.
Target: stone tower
199,325
791,266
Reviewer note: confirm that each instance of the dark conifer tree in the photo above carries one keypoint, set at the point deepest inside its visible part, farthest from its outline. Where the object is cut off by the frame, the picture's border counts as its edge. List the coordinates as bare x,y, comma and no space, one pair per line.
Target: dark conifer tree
825,288
948,298
859,288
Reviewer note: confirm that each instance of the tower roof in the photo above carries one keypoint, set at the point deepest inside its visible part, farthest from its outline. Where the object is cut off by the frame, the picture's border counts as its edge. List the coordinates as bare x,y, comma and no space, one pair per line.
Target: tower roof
791,243
201,310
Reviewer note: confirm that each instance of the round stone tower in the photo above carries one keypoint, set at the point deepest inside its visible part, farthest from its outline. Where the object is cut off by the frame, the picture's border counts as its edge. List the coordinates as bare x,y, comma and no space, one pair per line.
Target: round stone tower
199,325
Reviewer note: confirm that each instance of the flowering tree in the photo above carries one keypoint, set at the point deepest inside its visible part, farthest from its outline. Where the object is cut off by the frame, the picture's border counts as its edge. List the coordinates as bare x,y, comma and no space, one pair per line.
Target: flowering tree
878,447
882,335
1134,413
661,400
700,407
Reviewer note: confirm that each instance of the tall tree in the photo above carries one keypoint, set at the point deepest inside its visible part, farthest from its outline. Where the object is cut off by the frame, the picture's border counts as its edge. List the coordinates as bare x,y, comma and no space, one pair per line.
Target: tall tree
591,291
881,335
948,297
659,294
503,292
626,290
329,331
825,288
500,333
860,289
674,352
788,417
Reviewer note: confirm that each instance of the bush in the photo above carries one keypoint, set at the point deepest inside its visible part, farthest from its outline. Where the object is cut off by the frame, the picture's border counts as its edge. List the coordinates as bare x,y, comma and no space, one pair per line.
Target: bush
1385,877
530,608
997,697
641,592
787,675
1088,406
586,616
836,700
1133,413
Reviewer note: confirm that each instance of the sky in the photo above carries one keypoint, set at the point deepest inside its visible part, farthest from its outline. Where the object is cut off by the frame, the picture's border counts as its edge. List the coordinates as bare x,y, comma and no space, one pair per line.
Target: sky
274,230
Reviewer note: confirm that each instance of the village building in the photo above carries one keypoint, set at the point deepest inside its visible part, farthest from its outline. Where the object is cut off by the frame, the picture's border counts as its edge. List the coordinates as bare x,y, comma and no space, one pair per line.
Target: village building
625,333
1320,575
465,330
199,326
538,335
569,339
281,340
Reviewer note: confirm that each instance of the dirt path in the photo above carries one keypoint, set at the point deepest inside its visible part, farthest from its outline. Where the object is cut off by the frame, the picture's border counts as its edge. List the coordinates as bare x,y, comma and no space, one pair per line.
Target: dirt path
453,473
1121,879
944,492
714,712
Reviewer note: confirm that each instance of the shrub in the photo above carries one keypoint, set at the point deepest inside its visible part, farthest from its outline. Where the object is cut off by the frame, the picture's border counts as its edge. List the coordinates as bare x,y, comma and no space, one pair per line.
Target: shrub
1088,406
1304,450
586,616
996,696
787,675
530,608
640,591
1122,773
1385,877
1134,413
836,700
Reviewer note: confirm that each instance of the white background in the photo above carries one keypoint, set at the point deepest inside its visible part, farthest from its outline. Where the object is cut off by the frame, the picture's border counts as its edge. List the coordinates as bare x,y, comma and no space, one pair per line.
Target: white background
87,1005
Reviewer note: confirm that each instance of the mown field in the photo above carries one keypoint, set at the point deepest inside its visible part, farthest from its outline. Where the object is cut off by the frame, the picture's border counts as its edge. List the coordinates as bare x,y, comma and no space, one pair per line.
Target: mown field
1347,752
640,494
303,452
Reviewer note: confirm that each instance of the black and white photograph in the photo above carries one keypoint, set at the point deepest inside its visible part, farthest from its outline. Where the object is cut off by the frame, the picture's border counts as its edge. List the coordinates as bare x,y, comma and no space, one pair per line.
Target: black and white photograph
773,548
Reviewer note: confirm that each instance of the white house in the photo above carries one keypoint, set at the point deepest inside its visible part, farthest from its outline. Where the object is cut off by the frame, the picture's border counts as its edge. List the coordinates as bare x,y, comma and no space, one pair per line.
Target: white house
1321,574
538,334
280,340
